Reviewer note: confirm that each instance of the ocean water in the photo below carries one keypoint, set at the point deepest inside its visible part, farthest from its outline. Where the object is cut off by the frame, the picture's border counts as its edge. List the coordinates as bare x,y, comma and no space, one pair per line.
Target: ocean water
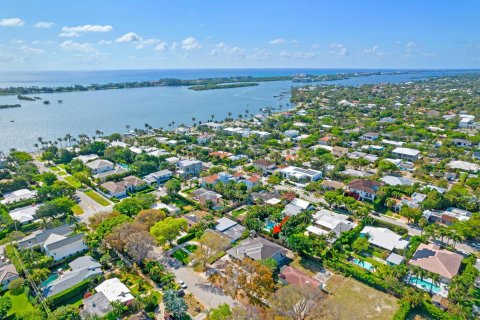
111,110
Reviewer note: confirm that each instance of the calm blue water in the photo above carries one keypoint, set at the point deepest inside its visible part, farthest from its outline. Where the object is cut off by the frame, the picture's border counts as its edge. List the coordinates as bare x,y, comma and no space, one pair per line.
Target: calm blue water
425,284
110,110
364,264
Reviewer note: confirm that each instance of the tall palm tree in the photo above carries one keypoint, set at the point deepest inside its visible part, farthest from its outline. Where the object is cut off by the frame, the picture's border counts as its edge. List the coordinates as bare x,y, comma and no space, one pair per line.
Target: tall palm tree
435,280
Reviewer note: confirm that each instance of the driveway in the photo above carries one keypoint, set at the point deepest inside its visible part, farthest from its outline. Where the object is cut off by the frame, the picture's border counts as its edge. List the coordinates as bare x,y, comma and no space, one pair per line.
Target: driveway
197,284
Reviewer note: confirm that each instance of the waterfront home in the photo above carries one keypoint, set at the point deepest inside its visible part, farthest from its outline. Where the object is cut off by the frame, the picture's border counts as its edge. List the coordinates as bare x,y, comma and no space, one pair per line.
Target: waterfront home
258,249
364,189
406,153
117,143
59,247
18,195
189,168
328,222
81,269
300,174
158,177
212,125
384,238
8,272
440,261
99,166
295,277
24,215
230,229
267,166
37,238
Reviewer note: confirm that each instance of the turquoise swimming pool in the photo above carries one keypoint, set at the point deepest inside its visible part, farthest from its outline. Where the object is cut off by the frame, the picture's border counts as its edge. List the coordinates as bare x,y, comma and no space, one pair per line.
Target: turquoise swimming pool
269,226
364,264
425,284
48,280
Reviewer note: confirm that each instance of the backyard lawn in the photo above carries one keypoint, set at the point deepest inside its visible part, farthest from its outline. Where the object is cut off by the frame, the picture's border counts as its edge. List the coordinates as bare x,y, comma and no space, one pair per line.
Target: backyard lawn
351,299
55,168
97,198
20,303
190,247
74,182
181,256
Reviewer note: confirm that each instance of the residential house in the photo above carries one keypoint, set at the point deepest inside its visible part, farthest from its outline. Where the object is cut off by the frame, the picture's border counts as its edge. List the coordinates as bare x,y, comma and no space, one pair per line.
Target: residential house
81,269
24,215
220,154
406,153
339,151
212,180
205,197
332,185
59,247
96,305
117,170
370,136
229,228
114,189
37,238
328,222
413,202
396,181
189,168
18,195
115,291
463,165
463,143
87,157
195,217
7,274
292,133
384,238
99,166
300,174
394,259
267,166
295,277
364,189
158,177
440,261
258,249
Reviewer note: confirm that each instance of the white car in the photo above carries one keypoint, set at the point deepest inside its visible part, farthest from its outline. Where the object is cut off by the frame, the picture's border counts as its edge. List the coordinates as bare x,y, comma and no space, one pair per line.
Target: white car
182,284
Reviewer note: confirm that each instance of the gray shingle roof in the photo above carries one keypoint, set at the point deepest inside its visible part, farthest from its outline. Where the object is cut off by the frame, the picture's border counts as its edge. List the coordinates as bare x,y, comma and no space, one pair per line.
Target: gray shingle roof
65,242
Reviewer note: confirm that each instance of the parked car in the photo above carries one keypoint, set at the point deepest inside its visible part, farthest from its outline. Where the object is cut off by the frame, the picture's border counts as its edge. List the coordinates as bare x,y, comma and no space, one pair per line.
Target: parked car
182,284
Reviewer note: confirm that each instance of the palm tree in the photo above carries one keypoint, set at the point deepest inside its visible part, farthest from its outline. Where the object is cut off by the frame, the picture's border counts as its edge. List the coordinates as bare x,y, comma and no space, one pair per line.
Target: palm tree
127,126
212,116
435,280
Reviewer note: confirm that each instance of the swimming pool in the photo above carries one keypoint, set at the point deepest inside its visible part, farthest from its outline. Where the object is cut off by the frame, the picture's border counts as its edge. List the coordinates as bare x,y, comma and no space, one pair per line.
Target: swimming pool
269,226
48,280
424,284
364,264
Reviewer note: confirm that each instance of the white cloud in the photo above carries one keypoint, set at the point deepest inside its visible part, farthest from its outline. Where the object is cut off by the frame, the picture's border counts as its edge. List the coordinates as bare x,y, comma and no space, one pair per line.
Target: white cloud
129,37
104,42
222,47
373,50
88,28
297,55
260,54
190,44
410,46
77,46
43,25
27,49
174,45
282,41
339,49
161,47
11,22
69,34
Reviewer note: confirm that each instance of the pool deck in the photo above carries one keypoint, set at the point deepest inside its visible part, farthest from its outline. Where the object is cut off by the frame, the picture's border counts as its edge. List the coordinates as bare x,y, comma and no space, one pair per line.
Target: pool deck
443,287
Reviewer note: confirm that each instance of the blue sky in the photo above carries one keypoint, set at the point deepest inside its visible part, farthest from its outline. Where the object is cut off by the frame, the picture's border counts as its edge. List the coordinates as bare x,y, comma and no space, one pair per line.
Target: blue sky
127,34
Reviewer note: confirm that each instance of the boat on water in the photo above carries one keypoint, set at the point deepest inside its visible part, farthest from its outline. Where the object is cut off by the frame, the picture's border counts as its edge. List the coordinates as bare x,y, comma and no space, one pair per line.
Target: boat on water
46,102
60,101
12,120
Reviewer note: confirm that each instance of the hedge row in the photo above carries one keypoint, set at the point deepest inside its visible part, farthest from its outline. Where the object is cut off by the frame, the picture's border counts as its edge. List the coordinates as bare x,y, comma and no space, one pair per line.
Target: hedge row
20,204
75,291
401,230
403,312
186,238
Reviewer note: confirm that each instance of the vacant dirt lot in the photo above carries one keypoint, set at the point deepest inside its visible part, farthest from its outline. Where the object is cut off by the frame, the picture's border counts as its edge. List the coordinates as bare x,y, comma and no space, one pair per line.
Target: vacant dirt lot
352,300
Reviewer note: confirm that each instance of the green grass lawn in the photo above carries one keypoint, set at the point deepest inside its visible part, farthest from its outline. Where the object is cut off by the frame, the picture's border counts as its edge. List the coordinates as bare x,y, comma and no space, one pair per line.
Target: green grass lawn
55,168
61,173
97,198
238,212
61,166
74,182
77,210
181,256
20,303
191,247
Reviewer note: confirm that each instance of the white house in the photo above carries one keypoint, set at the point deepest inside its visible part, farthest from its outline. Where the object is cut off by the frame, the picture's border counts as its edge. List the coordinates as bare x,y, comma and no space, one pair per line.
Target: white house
463,165
406,153
327,221
189,168
292,133
384,238
158,177
115,291
300,173
99,165
24,215
59,247
18,195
